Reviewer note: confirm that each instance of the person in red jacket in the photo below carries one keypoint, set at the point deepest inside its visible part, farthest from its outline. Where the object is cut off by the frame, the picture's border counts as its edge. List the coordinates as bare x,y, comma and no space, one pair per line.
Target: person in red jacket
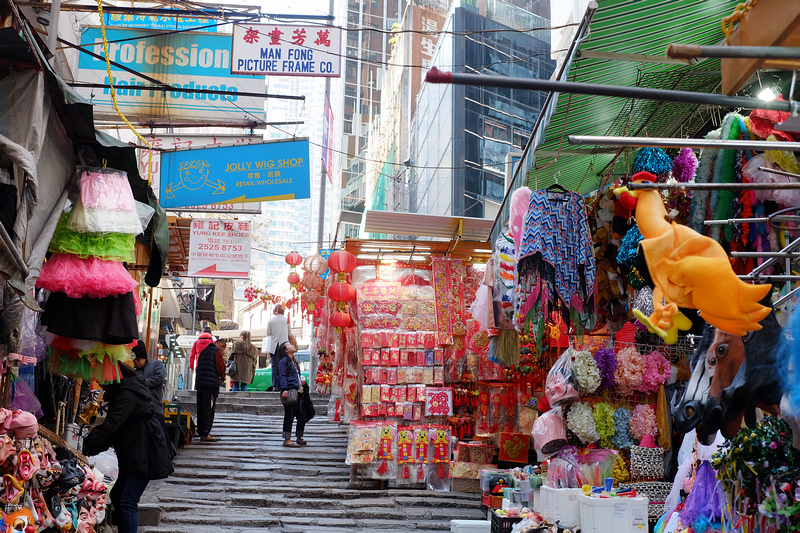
210,373
194,351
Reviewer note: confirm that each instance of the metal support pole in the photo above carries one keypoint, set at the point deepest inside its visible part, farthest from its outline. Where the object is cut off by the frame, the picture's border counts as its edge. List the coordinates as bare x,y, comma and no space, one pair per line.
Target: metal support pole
435,75
786,297
755,274
666,142
52,30
324,173
693,51
776,171
787,218
779,277
648,185
779,255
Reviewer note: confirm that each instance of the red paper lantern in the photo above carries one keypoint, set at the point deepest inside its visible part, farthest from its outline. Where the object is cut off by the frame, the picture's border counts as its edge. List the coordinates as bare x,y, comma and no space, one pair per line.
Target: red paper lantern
341,292
341,319
312,281
294,259
342,261
293,279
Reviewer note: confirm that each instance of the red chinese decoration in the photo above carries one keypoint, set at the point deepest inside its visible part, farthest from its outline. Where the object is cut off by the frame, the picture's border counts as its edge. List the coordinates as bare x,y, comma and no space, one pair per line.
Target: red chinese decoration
341,292
341,320
293,279
342,262
294,259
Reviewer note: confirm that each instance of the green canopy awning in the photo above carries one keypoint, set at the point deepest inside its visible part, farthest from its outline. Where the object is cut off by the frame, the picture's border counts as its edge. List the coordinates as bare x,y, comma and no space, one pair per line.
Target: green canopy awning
625,46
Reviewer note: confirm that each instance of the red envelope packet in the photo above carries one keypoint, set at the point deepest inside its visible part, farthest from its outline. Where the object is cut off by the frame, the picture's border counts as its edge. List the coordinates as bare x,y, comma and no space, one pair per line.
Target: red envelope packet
385,357
402,394
391,376
385,393
390,410
384,339
394,340
384,376
382,409
420,358
417,411
430,341
408,411
403,358
438,356
366,340
438,375
394,356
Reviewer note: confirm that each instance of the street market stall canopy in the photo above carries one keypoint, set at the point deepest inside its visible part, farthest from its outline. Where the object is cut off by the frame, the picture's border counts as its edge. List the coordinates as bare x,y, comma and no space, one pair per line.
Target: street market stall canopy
625,46
179,233
414,251
421,225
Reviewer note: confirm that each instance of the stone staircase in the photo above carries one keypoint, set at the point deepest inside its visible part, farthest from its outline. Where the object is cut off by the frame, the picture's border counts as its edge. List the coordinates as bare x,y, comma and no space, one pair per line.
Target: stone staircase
251,403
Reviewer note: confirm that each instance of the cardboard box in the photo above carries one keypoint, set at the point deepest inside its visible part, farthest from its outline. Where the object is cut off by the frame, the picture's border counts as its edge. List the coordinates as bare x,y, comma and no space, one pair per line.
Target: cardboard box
473,486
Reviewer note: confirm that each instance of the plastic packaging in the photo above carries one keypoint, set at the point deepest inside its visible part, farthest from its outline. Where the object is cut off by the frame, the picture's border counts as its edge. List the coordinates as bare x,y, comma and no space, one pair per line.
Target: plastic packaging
549,433
561,386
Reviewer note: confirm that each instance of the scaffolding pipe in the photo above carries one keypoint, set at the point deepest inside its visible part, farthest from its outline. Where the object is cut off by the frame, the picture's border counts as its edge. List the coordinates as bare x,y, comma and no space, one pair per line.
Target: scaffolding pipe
778,255
772,260
693,51
780,277
648,185
786,297
786,218
435,75
666,142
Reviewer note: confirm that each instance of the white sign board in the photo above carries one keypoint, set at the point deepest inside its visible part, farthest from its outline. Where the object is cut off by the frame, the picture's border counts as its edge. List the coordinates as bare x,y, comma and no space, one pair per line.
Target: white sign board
195,62
283,50
219,249
168,141
186,341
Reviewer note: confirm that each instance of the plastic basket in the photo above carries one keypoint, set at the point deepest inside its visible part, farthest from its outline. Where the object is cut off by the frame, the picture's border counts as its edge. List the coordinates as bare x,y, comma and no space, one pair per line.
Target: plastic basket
503,524
656,492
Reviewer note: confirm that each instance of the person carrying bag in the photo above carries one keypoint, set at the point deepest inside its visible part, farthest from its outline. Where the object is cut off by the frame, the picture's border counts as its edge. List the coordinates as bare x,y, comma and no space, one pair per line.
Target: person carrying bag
291,387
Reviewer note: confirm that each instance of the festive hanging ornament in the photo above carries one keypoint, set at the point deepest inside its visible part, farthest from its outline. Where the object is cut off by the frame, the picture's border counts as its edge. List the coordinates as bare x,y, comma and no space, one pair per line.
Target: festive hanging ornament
340,320
342,263
293,259
293,279
312,281
316,264
341,292
311,298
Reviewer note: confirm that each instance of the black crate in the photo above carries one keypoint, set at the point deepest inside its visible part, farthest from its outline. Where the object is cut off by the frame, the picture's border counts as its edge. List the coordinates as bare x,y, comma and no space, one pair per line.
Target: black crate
503,524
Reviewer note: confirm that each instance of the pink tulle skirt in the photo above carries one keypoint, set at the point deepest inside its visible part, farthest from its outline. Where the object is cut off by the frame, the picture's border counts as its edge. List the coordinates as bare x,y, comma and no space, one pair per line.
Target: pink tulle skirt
107,190
78,277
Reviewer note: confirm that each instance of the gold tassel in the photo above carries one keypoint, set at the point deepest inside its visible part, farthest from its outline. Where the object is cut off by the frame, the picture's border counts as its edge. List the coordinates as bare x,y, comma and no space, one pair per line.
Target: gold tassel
507,347
662,419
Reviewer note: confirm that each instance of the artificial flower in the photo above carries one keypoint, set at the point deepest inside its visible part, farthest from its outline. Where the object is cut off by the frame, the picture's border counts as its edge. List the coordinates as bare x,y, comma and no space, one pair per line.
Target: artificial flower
657,372
586,371
630,367
581,422
623,438
604,422
606,364
643,422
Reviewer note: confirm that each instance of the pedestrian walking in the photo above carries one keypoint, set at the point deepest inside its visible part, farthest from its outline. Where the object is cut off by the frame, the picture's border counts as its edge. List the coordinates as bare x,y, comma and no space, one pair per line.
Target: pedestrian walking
194,352
289,380
134,428
244,356
210,373
278,333
153,372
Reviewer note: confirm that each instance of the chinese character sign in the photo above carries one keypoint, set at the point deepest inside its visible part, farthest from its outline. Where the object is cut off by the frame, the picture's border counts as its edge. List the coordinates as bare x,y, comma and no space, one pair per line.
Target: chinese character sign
380,290
254,172
219,249
278,49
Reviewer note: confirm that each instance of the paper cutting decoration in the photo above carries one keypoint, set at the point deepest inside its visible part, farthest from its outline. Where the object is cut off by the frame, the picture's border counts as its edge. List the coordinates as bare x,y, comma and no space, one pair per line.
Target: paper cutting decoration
438,401
514,448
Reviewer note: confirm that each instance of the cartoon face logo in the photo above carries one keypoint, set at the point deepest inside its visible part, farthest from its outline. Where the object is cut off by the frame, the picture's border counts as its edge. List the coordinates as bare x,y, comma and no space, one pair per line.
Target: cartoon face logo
386,432
404,436
441,437
422,437
193,173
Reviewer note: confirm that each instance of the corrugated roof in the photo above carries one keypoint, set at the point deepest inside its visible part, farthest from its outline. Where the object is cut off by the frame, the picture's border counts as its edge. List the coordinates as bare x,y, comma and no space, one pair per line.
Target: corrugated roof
629,27
421,225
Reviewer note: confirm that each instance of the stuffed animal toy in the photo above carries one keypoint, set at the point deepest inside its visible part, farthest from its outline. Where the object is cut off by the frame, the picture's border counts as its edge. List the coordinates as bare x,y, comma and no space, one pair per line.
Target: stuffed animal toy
689,270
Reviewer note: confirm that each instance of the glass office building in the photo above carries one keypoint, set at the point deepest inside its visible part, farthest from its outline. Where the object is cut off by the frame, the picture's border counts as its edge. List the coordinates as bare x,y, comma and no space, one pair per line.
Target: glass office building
460,135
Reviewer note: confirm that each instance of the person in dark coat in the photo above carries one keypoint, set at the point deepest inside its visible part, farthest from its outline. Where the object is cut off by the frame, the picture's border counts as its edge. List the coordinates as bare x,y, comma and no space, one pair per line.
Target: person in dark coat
153,372
209,373
289,379
134,429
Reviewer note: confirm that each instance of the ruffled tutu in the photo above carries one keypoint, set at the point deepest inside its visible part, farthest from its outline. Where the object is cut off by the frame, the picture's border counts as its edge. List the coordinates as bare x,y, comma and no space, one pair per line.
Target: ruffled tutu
78,277
107,246
107,190
94,220
106,371
109,320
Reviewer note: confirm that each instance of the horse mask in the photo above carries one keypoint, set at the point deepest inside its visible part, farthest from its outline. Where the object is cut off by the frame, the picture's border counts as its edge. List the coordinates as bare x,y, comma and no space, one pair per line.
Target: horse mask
731,376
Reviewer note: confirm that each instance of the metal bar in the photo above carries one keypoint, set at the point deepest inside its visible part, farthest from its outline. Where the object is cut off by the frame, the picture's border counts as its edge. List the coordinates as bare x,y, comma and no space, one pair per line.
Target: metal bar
601,140
786,297
633,58
692,51
647,185
435,75
772,260
780,277
787,218
178,89
190,13
776,171
779,255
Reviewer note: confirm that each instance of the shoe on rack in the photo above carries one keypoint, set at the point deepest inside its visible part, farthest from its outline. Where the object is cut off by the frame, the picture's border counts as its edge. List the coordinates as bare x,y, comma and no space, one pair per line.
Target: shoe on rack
290,444
301,441
209,438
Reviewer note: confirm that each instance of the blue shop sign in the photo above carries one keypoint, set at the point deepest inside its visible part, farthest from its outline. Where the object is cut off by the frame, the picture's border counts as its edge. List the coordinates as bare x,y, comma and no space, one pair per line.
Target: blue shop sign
274,170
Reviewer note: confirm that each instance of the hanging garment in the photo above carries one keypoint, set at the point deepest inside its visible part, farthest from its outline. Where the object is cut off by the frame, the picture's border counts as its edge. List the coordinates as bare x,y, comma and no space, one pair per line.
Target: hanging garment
109,320
556,254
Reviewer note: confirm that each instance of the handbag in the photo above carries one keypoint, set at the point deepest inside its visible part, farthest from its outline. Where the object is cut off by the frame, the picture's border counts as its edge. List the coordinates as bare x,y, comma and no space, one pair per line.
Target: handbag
230,368
291,398
307,407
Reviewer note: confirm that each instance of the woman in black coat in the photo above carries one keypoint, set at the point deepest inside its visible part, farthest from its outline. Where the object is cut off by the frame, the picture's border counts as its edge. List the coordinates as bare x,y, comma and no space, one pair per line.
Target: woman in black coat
288,378
134,427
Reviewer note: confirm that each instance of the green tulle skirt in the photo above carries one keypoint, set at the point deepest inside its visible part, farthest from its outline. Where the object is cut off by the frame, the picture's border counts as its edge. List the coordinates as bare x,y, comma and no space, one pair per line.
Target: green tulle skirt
108,246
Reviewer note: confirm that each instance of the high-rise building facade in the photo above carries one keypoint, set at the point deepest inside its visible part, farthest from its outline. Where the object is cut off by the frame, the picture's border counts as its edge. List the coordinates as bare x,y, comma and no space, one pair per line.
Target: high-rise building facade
460,135
366,55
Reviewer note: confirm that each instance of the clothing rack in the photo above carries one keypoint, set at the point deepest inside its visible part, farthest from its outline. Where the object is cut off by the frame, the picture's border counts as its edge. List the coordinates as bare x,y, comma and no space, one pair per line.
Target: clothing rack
669,142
